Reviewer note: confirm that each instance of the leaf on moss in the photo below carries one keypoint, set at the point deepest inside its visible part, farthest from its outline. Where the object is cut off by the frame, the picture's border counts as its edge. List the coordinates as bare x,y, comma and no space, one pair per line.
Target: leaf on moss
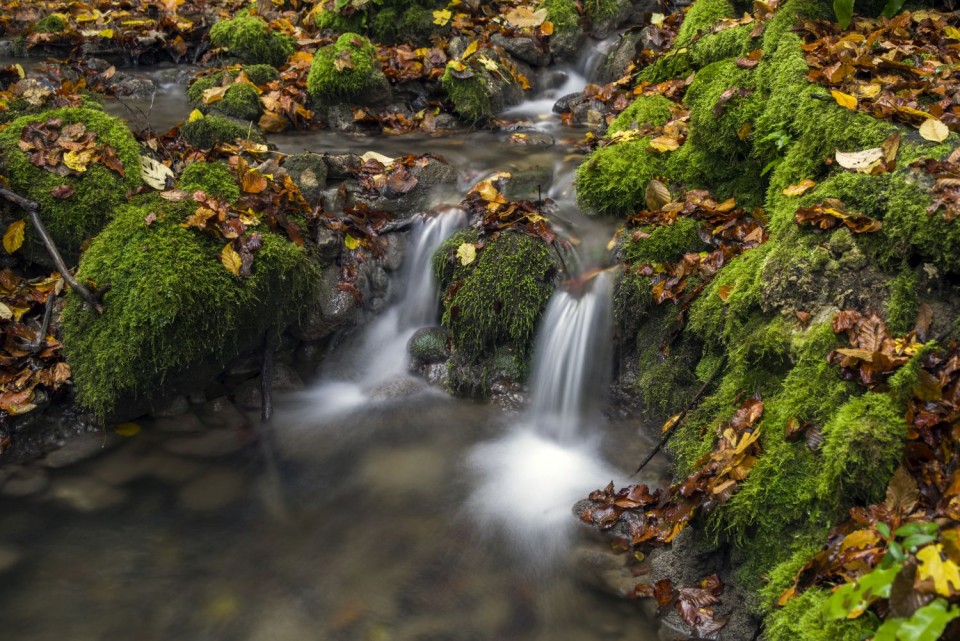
13,237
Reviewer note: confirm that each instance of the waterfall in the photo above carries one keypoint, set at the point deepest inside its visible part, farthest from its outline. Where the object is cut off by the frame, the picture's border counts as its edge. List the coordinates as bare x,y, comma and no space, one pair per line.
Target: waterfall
572,359
419,305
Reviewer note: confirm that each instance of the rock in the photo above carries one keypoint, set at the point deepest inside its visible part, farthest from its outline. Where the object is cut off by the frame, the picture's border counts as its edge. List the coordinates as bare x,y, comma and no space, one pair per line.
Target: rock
396,249
378,92
171,469
566,45
175,406
131,86
434,173
285,379
379,280
603,28
213,490
186,422
329,244
7,49
79,448
10,556
332,310
523,48
396,388
24,481
528,182
429,345
309,172
340,166
340,118
220,412
122,466
436,374
589,114
86,494
213,443
620,57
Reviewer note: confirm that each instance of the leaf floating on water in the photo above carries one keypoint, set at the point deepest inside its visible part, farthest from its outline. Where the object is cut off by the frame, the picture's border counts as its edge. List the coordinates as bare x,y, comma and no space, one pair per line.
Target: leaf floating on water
127,429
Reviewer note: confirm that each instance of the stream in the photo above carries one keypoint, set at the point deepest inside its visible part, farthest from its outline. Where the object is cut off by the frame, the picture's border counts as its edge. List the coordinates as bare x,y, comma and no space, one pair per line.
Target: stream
384,510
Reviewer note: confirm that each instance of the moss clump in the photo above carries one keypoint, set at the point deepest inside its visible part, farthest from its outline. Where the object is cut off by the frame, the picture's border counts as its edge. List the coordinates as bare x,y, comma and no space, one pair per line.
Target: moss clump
645,110
613,181
470,96
501,294
714,47
395,26
172,305
904,301
802,620
54,23
96,191
213,178
665,244
241,101
259,75
328,19
701,17
209,131
252,40
562,13
718,127
327,82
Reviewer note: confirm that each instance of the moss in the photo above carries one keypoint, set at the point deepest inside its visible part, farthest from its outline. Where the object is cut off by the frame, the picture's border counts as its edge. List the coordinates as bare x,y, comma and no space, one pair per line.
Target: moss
632,300
429,345
701,17
600,10
614,179
335,21
909,229
738,177
802,620
562,13
261,74
251,39
903,302
386,26
716,126
665,244
213,178
665,371
729,43
644,110
470,96
326,82
240,101
502,293
417,24
54,23
212,130
172,305
97,191
672,64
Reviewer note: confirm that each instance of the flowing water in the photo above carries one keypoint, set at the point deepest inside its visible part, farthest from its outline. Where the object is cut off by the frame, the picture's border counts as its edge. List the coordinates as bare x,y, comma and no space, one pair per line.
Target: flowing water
386,511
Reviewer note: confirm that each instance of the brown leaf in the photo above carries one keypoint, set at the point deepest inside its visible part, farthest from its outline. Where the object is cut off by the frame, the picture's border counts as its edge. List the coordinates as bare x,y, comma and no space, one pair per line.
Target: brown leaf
902,492
63,192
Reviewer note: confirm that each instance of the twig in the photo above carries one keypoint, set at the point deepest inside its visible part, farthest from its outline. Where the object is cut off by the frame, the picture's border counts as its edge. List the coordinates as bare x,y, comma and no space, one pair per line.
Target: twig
266,375
47,314
681,416
33,208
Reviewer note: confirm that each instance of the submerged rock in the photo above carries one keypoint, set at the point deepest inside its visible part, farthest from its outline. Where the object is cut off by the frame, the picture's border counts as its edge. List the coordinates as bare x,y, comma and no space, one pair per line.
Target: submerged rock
86,494
213,490
24,481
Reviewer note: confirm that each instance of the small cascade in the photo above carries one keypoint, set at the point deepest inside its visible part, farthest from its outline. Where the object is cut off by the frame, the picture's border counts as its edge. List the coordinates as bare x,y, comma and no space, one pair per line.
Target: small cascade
419,305
572,360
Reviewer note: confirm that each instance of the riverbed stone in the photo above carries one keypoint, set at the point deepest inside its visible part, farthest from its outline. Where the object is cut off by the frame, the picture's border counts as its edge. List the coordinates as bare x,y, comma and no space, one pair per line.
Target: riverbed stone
429,345
285,379
121,466
396,388
523,48
309,172
213,443
213,490
24,481
340,166
79,448
171,469
86,494
221,412
620,57
340,118
185,422
172,407
431,174
333,309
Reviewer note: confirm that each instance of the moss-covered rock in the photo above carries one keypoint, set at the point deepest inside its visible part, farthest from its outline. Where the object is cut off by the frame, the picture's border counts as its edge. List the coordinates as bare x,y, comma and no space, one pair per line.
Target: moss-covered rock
501,294
343,69
172,306
562,13
240,101
652,110
96,191
215,179
212,130
251,39
54,23
717,121
614,179
665,244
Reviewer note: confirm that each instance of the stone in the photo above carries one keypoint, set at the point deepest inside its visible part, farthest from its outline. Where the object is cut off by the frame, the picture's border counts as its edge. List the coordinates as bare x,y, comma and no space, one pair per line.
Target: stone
186,422
328,243
340,166
172,407
122,466
131,86
25,481
212,443
525,182
213,490
285,379
429,345
395,389
309,172
86,494
396,249
340,118
332,310
434,174
10,556
523,48
379,280
79,448
220,412
171,469
620,57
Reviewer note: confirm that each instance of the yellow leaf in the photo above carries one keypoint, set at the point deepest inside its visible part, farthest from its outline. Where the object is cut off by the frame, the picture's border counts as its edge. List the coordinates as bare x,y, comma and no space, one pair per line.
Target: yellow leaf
845,100
656,19
470,50
800,188
488,63
744,132
934,130
441,17
5,312
351,242
195,115
78,160
664,144
13,237
943,573
231,259
20,71
724,292
127,429
467,253
106,33
524,17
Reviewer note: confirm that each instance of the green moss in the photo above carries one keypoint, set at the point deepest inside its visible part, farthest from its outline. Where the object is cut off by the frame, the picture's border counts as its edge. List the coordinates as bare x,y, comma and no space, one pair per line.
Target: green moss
909,229
562,13
212,130
417,24
645,110
729,43
172,305
213,178
326,82
54,23
614,179
470,96
673,64
502,293
386,26
701,17
739,177
665,370
600,10
802,620
665,244
241,101
261,74
716,126
328,19
97,191
251,39
904,301
632,300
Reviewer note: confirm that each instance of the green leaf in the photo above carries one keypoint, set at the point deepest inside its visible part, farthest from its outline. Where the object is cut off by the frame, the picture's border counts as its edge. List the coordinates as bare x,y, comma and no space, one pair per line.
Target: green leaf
843,9
911,529
883,529
851,600
892,8
915,541
926,624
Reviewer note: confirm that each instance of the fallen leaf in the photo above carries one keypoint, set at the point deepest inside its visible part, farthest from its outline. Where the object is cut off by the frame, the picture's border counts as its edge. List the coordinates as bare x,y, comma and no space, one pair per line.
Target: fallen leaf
467,253
945,574
155,173
231,259
127,429
860,161
800,188
934,130
845,100
13,237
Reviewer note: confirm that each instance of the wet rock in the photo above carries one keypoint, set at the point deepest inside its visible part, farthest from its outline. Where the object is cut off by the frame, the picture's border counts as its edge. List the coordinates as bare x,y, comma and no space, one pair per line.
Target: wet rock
340,166
603,28
10,556
213,443
567,102
436,374
186,422
171,469
528,182
429,345
396,249
447,121
566,45
431,175
220,412
285,379
604,570
523,48
332,310
329,244
79,448
173,407
244,366
378,92
309,172
120,467
7,49
396,389
379,281
213,490
24,481
131,86
340,118
589,114
86,494
620,57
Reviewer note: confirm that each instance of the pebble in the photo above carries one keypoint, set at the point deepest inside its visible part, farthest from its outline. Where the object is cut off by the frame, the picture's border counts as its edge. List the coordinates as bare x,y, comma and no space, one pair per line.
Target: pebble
79,448
25,481
173,407
209,444
86,494
213,490
120,467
